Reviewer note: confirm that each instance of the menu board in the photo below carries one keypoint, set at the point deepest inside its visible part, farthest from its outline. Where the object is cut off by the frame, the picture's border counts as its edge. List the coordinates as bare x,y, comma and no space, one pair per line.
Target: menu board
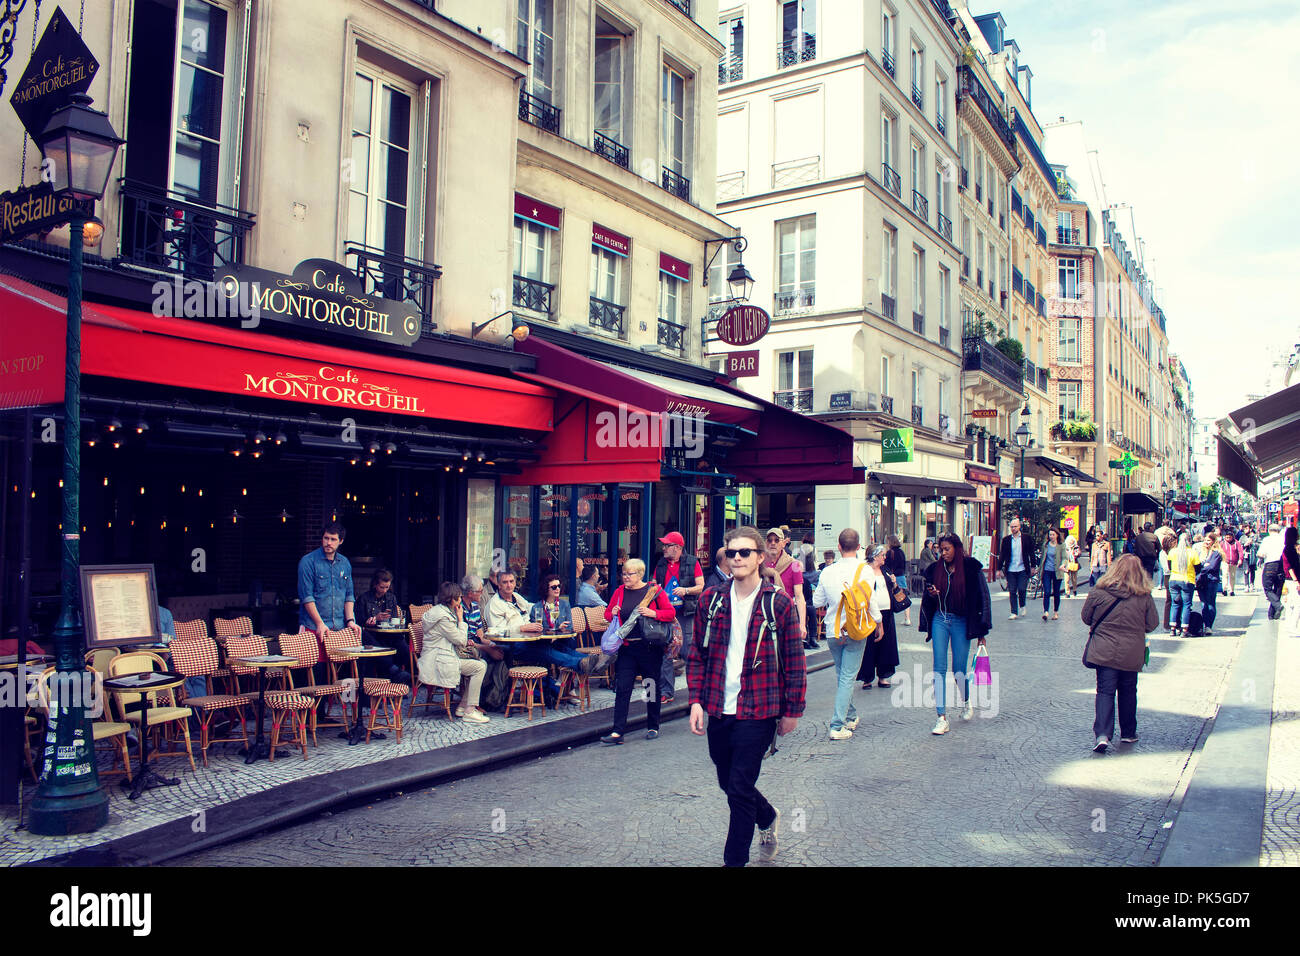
120,604
980,547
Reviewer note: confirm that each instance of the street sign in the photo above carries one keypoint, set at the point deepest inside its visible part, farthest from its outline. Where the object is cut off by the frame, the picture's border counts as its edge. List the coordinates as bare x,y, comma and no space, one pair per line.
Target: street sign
61,65
841,400
742,364
1023,494
984,413
742,325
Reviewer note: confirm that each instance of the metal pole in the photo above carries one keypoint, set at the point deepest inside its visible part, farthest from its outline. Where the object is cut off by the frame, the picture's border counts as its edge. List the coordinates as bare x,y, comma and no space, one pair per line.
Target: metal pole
70,798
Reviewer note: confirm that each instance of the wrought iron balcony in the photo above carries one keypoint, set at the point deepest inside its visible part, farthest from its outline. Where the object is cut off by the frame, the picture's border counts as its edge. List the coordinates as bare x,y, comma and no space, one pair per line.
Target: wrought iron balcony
165,230
1029,218
918,97
943,336
1031,372
676,183
798,49
965,178
1029,291
1043,377
918,414
682,5
532,294
538,112
731,69
1017,207
1017,280
893,182
979,355
606,315
1067,237
920,205
795,300
1042,236
888,306
979,192
943,422
940,125
887,61
945,226
795,399
1041,304
968,84
887,404
610,148
918,323
396,278
671,335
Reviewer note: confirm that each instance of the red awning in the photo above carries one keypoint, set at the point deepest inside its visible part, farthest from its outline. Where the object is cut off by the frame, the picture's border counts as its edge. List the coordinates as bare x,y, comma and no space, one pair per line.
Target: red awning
133,345
786,448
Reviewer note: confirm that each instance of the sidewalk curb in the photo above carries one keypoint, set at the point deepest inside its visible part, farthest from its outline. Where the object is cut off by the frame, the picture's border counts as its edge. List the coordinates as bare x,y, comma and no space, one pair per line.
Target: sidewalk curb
282,805
1221,819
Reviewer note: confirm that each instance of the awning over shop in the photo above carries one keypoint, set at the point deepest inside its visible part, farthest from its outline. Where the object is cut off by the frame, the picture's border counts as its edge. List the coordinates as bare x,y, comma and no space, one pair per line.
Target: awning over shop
921,486
1139,502
777,446
1051,467
130,344
1266,434
1235,468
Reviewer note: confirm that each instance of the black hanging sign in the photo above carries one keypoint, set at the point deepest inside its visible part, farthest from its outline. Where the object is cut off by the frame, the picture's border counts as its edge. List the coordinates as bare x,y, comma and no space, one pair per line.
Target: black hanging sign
61,65
34,209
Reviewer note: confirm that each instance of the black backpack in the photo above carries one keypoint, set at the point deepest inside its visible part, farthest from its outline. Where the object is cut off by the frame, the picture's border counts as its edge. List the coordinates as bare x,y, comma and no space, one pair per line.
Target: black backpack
1195,625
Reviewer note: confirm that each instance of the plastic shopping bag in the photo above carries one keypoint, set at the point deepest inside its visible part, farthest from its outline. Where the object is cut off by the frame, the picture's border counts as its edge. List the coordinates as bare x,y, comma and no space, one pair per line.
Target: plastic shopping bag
983,669
611,640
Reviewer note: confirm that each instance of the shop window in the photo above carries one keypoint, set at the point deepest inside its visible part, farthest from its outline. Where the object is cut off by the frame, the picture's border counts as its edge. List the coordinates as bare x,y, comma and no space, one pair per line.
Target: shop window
518,530
480,511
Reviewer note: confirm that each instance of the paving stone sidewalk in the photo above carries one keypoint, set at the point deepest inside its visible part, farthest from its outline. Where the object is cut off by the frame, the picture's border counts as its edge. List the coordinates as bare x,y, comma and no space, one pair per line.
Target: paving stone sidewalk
1281,841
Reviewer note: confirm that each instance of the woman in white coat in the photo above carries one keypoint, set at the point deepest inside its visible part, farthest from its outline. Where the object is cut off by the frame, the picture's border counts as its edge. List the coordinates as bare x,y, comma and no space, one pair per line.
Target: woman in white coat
440,665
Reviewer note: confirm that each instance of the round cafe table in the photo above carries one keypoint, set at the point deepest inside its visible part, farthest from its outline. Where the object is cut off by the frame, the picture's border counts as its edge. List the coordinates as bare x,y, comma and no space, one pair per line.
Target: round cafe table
263,663
366,653
145,685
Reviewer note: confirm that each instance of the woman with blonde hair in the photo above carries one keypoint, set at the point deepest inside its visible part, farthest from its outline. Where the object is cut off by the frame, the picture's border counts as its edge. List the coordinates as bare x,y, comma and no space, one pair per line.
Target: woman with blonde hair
1182,562
641,654
1120,613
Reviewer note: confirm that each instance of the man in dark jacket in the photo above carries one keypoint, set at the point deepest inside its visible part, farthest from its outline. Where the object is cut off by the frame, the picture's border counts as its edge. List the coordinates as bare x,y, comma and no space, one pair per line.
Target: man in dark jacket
1016,559
1147,548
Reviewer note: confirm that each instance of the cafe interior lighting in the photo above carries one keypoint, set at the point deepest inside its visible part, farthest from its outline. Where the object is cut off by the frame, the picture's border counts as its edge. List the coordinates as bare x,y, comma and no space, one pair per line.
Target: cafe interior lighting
141,426
92,231
389,448
284,515
258,437
114,424
280,438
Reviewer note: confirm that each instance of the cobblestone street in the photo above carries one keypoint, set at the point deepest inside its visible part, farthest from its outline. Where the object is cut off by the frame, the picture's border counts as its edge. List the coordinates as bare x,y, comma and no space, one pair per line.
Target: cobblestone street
1016,787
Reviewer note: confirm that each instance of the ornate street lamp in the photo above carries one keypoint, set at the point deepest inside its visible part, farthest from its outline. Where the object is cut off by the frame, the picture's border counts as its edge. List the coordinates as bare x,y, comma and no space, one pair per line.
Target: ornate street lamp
1021,438
82,146
740,282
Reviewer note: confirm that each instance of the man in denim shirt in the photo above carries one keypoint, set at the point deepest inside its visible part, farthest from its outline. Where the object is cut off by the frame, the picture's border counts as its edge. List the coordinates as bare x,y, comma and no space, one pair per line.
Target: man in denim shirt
325,585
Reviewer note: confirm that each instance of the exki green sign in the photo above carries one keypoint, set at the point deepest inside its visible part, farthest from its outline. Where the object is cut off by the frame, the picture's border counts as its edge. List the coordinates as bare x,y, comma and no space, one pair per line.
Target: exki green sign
896,444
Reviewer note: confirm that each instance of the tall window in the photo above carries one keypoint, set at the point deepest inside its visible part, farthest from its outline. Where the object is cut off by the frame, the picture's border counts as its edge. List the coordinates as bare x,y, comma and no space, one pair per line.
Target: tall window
1067,343
796,260
731,67
719,291
979,253
918,281
889,262
610,45
884,376
382,180
941,100
670,292
1069,398
979,172
942,408
916,387
887,127
1063,220
918,167
918,75
940,206
673,117
535,43
945,289
798,31
606,273
888,34
794,369
532,249
1068,276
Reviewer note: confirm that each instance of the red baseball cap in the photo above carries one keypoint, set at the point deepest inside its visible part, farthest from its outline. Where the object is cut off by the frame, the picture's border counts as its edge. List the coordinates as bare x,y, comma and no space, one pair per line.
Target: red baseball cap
673,537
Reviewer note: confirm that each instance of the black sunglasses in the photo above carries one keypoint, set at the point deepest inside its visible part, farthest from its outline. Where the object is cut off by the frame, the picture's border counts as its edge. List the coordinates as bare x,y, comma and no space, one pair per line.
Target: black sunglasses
739,552
553,587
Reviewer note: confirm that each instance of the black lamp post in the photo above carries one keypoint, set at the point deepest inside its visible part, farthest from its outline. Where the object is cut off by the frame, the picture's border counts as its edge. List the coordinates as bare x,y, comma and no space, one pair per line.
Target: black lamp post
741,283
81,145
1021,438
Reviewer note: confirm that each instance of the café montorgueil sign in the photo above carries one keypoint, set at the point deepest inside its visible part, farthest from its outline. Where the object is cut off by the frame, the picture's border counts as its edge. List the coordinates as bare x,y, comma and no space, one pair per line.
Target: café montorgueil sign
61,65
742,325
322,295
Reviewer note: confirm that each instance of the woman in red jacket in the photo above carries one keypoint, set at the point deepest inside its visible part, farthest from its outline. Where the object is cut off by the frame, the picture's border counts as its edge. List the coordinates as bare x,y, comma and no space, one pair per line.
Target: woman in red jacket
640,654
1232,555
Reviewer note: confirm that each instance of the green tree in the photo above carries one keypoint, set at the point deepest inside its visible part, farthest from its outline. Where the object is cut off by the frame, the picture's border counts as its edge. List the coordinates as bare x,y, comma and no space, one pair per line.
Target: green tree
1037,516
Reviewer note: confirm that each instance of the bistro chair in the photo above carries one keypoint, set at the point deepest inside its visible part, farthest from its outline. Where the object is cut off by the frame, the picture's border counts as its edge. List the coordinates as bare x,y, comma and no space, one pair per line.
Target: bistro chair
198,658
191,630
596,625
251,646
525,678
232,627
99,658
306,648
417,645
31,728
105,728
299,708
386,699
164,709
418,611
575,687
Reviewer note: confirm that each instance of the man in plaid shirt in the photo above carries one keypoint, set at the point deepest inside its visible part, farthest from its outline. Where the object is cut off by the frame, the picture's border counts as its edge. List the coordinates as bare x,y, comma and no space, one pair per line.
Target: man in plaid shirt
745,669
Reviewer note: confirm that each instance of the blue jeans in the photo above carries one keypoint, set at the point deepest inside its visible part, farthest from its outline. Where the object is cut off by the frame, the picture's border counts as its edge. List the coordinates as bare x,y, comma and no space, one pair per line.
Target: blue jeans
847,655
1209,594
1017,585
1180,612
949,630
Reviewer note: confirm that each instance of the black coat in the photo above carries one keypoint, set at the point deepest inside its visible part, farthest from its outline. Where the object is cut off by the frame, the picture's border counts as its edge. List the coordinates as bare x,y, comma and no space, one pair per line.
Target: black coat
1027,544
979,604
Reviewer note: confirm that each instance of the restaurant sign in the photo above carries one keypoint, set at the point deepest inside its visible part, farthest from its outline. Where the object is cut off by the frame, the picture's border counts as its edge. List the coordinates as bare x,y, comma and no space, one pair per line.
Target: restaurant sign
322,295
61,65
36,209
896,444
742,325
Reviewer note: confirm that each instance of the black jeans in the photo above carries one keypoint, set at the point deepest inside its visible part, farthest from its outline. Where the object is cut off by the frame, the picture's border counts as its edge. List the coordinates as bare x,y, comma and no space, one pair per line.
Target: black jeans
1110,681
1051,589
643,658
1273,588
737,747
1017,585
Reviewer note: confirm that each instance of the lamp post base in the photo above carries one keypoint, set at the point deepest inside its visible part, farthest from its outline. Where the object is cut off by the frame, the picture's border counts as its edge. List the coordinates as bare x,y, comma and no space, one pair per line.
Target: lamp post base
61,815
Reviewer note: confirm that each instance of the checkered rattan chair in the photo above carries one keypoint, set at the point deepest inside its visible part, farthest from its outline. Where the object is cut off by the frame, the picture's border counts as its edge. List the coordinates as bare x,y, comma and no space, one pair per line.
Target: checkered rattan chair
305,646
299,708
386,700
525,678
251,646
417,645
596,625
105,728
192,630
162,712
198,658
232,626
418,611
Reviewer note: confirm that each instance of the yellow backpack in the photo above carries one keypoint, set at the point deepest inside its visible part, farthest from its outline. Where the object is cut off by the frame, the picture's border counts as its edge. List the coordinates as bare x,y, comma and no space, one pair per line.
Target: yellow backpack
855,609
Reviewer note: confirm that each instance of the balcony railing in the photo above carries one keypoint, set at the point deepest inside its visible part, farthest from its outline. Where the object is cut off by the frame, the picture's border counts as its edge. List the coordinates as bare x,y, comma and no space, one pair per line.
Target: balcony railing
965,178
920,205
1016,205
918,323
918,414
979,355
979,192
164,230
887,61
610,148
887,404
671,335
676,183
1043,377
1031,373
968,84
731,186
1041,305
1042,236
532,294
606,315
893,182
1017,281
731,70
1029,291
682,5
795,300
795,399
1067,237
943,336
888,306
945,226
918,97
539,113
940,125
396,278
800,49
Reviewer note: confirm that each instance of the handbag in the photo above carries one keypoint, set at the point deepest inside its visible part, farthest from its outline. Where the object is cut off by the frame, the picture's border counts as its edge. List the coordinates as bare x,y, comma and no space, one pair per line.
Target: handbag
1093,630
1072,566
898,598
611,640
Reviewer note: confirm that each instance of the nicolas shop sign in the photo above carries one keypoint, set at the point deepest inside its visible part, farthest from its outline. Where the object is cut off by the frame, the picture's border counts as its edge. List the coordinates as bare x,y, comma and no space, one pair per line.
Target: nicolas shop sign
322,295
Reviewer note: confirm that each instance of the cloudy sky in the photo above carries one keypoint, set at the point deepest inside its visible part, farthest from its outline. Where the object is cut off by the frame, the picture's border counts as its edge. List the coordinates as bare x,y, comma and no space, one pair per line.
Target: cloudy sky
1191,107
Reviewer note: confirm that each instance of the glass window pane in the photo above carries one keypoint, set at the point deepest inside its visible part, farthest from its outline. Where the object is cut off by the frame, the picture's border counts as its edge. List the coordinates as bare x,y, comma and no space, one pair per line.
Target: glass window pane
785,371
361,162
392,226
396,121
394,173
196,171
203,35
805,369
357,205
362,92
198,107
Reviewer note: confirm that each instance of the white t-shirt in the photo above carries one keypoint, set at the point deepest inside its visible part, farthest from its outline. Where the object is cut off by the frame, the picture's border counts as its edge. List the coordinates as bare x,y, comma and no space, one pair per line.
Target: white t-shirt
741,609
1270,549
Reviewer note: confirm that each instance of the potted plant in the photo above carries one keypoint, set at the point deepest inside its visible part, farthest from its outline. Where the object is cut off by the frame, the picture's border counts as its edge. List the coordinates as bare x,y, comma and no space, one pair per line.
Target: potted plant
1011,348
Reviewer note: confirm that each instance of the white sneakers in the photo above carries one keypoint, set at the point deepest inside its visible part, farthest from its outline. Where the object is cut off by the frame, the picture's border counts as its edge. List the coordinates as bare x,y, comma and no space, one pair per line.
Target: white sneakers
842,734
852,723
942,726
1100,746
1011,618
968,711
767,840
473,716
